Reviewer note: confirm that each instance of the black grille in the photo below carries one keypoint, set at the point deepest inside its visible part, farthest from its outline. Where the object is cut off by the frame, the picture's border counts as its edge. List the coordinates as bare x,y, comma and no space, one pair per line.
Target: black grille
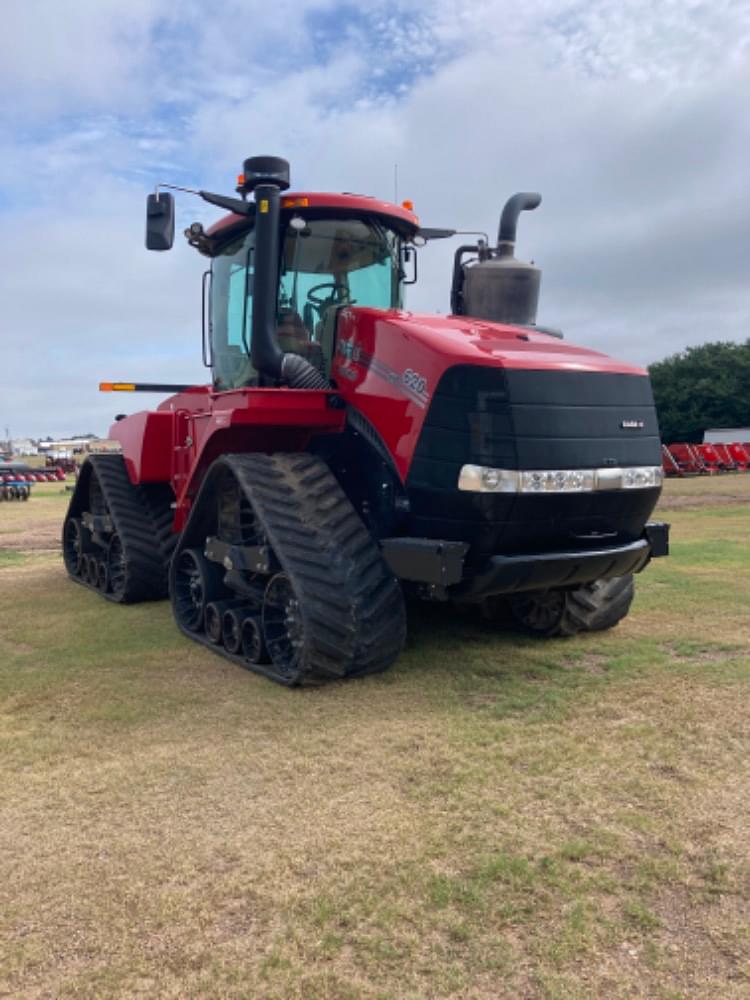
535,420
532,420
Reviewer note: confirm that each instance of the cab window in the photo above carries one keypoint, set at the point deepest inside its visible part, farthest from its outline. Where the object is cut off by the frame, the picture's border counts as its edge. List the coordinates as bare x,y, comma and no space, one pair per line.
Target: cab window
231,314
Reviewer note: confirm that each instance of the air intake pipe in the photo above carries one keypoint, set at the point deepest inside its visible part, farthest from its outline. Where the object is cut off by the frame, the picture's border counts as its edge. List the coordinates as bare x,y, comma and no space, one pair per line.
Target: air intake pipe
267,177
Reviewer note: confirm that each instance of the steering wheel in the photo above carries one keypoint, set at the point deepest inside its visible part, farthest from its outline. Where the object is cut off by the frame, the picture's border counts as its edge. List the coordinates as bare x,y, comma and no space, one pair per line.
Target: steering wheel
318,300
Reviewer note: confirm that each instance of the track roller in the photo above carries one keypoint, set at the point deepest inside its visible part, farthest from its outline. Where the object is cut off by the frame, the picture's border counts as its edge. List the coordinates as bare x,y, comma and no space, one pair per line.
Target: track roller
253,646
214,617
231,629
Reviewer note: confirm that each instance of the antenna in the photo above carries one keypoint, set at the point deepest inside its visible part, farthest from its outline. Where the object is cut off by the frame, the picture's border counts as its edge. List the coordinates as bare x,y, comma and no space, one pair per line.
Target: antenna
395,183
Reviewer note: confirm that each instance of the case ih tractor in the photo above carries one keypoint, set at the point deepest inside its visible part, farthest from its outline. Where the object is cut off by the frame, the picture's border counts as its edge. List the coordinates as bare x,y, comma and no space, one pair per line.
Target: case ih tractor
348,453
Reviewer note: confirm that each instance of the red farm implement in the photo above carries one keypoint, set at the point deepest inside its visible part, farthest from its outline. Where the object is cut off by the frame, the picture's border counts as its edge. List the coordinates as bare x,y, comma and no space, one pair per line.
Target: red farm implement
713,458
740,455
687,459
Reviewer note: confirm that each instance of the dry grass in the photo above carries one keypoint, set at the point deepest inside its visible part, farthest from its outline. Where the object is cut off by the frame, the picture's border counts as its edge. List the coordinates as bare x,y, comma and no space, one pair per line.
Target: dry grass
701,491
494,817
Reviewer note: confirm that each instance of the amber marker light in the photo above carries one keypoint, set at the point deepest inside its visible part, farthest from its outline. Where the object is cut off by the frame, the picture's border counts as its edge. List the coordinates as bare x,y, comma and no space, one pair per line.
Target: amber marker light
295,202
117,387
408,205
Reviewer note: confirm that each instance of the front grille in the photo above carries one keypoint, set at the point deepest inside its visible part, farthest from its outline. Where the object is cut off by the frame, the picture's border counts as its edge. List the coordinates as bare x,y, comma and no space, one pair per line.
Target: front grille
519,419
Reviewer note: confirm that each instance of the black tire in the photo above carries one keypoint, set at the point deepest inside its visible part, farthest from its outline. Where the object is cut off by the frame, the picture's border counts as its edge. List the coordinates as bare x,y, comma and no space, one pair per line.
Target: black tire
598,606
592,607
349,614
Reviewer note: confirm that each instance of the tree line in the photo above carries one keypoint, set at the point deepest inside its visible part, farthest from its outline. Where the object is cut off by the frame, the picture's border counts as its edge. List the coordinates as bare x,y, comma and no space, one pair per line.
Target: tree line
701,387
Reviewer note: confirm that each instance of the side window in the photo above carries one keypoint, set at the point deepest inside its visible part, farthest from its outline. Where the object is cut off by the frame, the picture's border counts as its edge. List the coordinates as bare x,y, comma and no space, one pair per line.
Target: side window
374,286
239,302
231,314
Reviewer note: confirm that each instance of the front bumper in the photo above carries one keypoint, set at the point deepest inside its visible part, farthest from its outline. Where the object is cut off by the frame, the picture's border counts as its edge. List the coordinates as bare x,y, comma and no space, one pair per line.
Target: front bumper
440,565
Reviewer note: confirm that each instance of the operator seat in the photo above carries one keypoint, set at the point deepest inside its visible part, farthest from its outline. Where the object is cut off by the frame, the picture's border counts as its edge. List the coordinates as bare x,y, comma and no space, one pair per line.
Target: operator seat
293,336
291,331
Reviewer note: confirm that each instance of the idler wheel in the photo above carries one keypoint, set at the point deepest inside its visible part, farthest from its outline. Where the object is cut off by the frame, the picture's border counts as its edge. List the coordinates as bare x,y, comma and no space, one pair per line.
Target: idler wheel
283,627
75,544
197,582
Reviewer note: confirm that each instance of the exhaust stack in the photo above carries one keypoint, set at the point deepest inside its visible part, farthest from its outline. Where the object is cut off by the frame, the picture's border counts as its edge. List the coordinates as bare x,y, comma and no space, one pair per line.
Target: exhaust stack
497,286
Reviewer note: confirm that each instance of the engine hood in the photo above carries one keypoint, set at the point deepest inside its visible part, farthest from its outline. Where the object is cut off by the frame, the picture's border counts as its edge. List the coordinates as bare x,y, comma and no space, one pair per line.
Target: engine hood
388,365
462,340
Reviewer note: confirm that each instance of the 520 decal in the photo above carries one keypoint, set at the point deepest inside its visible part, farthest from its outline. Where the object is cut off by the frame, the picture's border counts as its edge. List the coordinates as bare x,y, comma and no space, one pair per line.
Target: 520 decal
411,383
415,382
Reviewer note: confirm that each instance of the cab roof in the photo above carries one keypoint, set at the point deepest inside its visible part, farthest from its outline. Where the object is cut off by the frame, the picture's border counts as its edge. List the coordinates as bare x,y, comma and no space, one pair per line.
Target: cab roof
400,217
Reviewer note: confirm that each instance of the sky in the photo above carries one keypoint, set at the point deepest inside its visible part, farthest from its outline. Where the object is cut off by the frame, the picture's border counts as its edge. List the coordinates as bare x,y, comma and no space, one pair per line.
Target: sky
629,116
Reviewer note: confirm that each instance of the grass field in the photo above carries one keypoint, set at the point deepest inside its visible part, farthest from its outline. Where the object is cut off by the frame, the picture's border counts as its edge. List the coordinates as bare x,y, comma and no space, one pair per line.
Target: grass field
494,817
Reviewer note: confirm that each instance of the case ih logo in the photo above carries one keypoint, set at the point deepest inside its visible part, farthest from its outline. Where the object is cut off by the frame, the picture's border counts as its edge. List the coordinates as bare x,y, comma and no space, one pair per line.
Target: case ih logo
632,425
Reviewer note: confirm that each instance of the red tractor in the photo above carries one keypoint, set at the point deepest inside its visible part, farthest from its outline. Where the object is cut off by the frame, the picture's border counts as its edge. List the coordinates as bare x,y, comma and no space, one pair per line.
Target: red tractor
348,453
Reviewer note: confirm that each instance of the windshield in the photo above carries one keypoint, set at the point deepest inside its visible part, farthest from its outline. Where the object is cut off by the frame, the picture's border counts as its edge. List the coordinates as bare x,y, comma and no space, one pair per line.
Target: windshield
338,261
325,263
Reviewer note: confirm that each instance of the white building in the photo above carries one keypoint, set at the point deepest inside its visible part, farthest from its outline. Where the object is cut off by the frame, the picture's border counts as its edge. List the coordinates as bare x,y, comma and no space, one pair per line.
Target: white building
23,446
726,435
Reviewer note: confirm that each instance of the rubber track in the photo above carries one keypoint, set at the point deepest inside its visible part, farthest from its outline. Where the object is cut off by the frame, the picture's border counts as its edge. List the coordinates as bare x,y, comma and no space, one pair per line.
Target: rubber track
597,606
351,603
159,498
138,519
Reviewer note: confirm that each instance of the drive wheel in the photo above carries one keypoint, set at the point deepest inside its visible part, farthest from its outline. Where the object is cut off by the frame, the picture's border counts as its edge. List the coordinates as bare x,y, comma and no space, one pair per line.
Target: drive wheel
197,582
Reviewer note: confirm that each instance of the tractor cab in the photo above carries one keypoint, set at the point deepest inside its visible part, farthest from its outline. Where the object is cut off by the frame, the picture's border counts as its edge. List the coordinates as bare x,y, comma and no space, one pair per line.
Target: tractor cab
328,259
283,265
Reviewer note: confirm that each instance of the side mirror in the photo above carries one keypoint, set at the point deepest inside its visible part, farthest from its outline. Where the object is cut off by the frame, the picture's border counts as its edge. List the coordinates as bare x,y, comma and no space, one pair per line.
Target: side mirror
160,221
409,265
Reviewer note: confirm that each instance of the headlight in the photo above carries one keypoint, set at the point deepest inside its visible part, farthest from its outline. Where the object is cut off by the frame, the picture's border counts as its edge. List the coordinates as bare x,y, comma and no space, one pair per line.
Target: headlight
482,479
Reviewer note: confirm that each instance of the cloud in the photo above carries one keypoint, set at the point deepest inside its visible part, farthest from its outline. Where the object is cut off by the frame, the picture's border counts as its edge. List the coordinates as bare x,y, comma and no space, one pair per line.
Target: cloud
629,117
